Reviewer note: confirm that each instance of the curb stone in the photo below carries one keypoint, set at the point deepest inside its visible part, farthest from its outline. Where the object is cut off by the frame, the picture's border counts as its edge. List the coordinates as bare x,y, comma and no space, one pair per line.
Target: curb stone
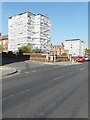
55,63
9,70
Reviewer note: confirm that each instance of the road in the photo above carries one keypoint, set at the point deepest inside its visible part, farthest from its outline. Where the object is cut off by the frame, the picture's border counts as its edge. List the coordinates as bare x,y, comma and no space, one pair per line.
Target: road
46,91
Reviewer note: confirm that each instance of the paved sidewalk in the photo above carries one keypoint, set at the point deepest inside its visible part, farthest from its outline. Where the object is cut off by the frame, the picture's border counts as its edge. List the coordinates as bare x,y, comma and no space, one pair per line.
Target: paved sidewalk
5,70
56,63
65,63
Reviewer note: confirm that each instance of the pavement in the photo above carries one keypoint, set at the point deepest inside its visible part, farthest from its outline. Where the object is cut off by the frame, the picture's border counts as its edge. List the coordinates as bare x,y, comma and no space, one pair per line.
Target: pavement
46,91
62,63
9,71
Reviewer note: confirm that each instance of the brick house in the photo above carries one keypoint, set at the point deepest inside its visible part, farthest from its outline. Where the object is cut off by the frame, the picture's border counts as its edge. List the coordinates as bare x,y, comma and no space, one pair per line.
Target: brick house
58,49
4,42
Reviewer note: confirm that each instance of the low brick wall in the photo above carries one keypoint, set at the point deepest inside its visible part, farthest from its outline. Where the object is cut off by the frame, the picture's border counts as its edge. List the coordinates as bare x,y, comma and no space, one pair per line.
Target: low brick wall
36,57
61,58
26,57
4,54
74,57
65,58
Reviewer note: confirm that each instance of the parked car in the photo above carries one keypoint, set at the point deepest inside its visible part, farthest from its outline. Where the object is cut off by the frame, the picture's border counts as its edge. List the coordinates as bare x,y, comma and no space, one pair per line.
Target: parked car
87,58
80,59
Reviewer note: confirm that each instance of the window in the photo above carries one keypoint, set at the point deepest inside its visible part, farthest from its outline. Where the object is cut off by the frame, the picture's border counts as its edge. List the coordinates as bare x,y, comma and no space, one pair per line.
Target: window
33,38
57,53
29,37
29,23
61,52
61,48
10,17
54,48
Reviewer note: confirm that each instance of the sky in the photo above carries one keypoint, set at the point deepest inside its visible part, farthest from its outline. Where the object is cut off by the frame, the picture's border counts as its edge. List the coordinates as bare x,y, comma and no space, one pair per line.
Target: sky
69,20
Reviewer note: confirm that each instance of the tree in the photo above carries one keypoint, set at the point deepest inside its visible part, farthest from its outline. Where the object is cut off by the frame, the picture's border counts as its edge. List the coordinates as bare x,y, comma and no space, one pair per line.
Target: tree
28,49
64,54
87,51
1,48
37,51
24,49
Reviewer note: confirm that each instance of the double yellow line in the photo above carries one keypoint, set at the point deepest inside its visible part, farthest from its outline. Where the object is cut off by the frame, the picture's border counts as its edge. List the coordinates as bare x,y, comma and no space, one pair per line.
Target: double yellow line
8,76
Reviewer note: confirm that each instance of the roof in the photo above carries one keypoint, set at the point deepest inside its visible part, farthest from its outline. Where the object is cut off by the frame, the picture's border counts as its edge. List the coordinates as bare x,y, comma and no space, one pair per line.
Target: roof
72,39
42,15
4,37
21,14
28,12
58,45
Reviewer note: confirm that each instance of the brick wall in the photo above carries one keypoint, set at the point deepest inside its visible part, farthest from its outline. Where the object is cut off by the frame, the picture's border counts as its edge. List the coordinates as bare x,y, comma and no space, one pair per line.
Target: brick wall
36,57
62,58
74,58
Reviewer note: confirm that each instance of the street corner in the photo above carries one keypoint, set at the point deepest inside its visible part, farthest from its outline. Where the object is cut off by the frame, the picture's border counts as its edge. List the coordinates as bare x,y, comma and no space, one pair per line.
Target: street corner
4,68
8,72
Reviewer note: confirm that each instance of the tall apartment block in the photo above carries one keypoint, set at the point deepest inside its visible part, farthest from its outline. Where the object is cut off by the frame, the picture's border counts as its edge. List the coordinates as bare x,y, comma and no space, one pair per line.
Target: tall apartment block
76,47
28,28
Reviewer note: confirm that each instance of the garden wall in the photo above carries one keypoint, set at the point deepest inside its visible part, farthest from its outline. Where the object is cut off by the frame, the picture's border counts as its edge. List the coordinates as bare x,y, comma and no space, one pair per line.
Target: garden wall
36,57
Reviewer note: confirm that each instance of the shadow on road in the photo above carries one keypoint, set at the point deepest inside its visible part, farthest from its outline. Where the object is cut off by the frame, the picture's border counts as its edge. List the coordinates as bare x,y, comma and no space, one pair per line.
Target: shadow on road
6,60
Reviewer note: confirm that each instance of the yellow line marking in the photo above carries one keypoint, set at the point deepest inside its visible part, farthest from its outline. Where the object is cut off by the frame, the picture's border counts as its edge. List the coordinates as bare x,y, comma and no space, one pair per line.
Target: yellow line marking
77,63
47,63
4,68
10,75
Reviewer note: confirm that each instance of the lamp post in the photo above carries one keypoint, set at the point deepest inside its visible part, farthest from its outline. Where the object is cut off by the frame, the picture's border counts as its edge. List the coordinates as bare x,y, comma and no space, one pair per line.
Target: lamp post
51,56
55,57
47,55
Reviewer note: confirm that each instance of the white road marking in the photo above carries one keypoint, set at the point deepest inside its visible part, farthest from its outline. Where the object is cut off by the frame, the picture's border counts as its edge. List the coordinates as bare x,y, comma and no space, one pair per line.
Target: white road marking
83,68
63,76
24,91
56,78
34,71
11,95
5,98
27,90
27,72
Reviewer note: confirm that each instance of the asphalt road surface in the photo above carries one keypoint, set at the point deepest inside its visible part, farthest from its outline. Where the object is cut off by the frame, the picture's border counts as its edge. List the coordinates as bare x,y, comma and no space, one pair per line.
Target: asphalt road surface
46,91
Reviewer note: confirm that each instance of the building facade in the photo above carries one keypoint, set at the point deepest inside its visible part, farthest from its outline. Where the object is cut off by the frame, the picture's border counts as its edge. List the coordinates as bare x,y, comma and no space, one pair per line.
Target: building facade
4,42
76,47
58,49
28,28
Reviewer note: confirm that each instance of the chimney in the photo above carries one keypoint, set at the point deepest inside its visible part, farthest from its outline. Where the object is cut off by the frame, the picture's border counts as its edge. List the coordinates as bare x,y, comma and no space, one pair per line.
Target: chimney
61,44
0,34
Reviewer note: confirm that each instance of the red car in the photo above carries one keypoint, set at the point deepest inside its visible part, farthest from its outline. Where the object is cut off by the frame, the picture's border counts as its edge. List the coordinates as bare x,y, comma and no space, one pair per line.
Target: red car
80,59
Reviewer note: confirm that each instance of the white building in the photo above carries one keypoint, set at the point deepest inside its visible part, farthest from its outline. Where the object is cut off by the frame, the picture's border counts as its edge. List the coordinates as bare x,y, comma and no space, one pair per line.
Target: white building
76,47
27,28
